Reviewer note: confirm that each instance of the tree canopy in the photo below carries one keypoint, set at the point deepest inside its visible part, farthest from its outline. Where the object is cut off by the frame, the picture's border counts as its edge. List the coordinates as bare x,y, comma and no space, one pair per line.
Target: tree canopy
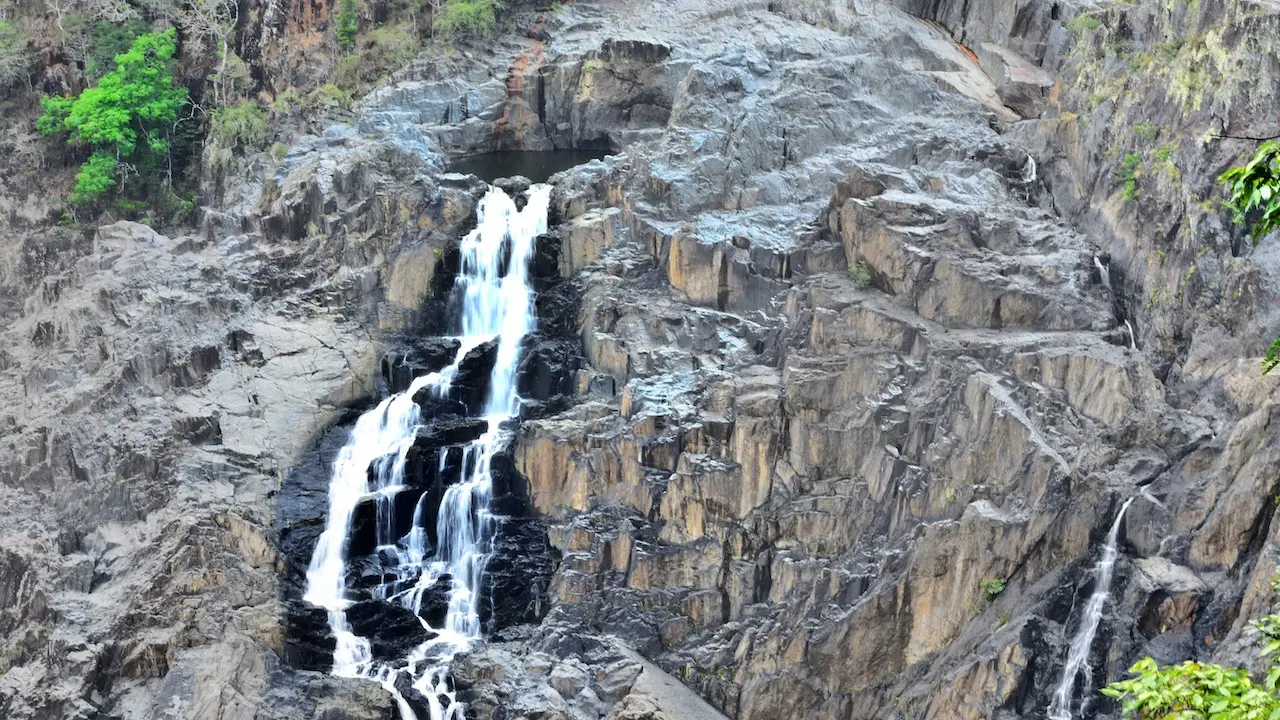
127,118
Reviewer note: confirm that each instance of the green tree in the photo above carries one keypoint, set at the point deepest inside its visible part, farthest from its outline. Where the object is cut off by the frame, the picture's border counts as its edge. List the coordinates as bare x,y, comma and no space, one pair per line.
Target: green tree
128,117
348,23
1255,200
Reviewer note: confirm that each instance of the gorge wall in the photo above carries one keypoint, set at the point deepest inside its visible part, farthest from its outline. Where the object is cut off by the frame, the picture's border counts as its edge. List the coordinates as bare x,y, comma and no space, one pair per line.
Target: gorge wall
850,298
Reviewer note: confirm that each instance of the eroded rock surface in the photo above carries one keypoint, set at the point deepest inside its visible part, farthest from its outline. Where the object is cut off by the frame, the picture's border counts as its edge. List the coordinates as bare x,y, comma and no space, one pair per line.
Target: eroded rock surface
847,364
842,341
155,392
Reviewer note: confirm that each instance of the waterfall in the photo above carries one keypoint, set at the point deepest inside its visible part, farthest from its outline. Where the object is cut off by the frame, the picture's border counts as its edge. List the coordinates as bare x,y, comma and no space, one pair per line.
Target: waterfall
1029,170
1103,271
496,305
1078,655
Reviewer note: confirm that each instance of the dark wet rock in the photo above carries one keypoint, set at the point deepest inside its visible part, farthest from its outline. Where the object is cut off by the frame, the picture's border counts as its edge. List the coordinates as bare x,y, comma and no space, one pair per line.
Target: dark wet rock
518,577
393,631
512,186
835,352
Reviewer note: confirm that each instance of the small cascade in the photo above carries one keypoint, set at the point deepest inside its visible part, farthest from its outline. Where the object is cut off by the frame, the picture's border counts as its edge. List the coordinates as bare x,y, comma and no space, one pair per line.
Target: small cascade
1078,655
1103,272
1029,171
497,305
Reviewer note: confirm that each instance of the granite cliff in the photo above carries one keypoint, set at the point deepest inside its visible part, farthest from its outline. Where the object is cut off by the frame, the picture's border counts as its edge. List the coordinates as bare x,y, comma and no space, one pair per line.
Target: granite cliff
849,353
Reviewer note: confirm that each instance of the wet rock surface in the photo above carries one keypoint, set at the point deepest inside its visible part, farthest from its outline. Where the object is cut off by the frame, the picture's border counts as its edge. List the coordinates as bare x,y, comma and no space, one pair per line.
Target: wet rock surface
845,363
156,390
835,337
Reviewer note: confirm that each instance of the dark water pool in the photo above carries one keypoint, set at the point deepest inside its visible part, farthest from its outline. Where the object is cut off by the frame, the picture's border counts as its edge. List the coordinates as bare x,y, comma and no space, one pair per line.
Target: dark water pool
537,166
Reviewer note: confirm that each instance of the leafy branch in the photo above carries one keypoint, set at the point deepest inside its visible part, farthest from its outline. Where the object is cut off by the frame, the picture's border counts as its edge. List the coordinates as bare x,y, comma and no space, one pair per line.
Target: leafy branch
1203,691
1255,200
1255,188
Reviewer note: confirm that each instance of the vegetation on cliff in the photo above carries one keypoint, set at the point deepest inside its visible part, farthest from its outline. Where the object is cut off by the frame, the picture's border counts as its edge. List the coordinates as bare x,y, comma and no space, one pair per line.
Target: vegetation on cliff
128,120
205,84
1255,191
15,61
1204,691
466,16
1255,200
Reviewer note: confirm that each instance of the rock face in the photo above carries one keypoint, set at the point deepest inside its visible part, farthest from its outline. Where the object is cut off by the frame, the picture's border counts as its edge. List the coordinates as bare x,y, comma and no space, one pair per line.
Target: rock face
847,359
156,391
848,362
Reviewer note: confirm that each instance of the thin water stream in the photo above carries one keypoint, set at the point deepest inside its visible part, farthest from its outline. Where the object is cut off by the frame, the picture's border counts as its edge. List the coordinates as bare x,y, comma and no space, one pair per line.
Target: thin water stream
1078,654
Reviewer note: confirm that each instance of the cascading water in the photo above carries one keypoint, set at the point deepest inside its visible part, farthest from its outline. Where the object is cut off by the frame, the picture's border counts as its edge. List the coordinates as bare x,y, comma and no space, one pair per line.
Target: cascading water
1078,655
497,304
1103,271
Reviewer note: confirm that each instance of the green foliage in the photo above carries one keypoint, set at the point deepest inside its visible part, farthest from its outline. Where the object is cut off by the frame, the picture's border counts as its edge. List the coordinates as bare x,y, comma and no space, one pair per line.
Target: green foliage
381,51
243,125
240,127
1272,358
467,17
1170,48
56,111
102,41
1199,691
286,101
328,96
349,71
1192,691
15,60
97,175
1255,190
233,77
1128,173
1146,131
1255,199
348,22
127,117
861,274
992,587
1267,628
1081,24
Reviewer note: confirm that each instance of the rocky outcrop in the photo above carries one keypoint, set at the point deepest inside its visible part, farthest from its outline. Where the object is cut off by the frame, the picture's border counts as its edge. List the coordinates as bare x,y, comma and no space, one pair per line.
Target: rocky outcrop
157,389
833,398
816,427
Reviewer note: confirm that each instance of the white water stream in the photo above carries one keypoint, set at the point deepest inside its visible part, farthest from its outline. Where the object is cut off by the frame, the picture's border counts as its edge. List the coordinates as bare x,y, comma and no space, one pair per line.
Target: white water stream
1078,655
495,305
1103,271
